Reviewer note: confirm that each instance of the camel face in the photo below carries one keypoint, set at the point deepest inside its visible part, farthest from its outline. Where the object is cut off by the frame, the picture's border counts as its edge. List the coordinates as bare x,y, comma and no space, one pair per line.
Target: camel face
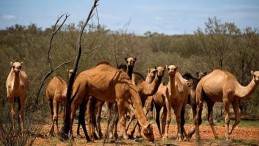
255,76
152,72
70,71
172,69
16,66
130,61
201,74
147,133
160,71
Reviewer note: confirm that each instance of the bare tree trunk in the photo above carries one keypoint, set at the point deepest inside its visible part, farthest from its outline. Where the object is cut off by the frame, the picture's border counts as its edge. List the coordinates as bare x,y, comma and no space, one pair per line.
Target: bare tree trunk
66,124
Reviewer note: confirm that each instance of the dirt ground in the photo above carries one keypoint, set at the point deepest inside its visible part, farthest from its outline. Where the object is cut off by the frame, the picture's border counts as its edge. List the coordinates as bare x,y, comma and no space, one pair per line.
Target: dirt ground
240,136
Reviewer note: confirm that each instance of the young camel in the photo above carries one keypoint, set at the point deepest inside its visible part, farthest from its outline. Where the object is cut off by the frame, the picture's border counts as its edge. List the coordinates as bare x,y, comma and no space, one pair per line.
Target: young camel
107,83
16,85
176,98
222,86
56,92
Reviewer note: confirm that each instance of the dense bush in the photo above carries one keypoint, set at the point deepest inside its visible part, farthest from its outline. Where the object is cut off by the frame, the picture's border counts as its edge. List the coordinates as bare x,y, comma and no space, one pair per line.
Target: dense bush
218,45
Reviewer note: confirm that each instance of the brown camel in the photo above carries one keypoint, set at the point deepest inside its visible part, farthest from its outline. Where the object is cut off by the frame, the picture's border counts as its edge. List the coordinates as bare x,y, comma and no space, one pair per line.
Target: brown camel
56,92
16,85
192,83
94,105
107,83
176,98
222,86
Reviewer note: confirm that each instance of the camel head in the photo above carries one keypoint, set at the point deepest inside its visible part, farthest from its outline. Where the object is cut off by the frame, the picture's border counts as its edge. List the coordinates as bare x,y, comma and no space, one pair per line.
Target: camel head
255,75
152,73
160,71
147,133
16,66
172,69
130,61
70,71
201,74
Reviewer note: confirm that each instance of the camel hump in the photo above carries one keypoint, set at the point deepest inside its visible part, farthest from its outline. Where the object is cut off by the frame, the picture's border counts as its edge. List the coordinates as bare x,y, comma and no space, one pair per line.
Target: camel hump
59,78
103,62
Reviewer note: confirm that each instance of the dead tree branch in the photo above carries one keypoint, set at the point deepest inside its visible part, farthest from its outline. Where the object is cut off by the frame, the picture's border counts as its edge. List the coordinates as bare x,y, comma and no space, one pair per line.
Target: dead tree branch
50,47
66,124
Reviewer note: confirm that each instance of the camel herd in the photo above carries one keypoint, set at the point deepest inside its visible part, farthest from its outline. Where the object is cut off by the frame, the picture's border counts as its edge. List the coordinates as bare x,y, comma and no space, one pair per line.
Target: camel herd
129,93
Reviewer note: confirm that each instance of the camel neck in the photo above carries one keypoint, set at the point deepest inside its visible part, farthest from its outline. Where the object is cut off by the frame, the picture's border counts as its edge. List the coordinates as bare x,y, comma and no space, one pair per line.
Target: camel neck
246,91
172,84
130,71
151,88
16,79
135,98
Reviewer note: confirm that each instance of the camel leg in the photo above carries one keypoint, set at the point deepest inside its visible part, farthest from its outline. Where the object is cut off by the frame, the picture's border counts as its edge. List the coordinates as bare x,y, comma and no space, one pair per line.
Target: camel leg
55,114
168,119
163,118
237,115
11,100
81,118
21,103
179,136
198,120
51,131
189,135
227,119
158,108
210,105
98,120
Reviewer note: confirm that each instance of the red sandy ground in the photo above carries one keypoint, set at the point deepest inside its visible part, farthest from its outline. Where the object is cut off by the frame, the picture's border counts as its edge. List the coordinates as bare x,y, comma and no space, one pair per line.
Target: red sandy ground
240,136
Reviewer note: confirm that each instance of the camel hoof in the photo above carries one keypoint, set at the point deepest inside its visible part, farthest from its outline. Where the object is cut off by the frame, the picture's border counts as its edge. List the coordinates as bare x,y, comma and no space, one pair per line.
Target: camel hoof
165,137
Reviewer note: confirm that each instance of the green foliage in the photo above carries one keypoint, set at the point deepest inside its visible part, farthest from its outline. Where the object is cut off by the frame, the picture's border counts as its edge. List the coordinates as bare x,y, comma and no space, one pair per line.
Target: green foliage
218,45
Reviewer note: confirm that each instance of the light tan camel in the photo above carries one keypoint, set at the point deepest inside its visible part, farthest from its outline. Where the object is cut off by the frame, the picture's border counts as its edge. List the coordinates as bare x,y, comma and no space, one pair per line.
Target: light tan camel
176,98
107,83
16,85
222,86
158,100
56,92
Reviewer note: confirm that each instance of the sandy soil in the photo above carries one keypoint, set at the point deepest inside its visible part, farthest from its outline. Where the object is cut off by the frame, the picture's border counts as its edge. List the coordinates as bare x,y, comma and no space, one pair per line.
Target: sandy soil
240,136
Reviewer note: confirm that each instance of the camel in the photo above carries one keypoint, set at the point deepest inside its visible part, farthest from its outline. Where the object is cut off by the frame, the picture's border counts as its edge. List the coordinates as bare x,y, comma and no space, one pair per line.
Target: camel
146,89
192,83
16,85
56,92
176,97
222,86
95,106
109,84
158,100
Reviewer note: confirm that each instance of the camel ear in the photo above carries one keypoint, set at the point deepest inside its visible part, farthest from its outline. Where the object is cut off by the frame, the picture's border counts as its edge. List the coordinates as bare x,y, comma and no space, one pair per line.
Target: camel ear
125,59
135,59
148,70
166,66
155,68
252,72
197,74
11,63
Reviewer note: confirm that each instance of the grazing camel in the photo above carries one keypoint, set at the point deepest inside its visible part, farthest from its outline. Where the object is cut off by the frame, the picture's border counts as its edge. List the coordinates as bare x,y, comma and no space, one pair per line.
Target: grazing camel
222,86
16,85
107,83
176,98
95,106
56,92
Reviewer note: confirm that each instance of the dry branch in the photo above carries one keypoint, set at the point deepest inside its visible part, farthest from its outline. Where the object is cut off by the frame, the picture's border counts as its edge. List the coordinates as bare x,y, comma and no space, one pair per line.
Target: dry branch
66,124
